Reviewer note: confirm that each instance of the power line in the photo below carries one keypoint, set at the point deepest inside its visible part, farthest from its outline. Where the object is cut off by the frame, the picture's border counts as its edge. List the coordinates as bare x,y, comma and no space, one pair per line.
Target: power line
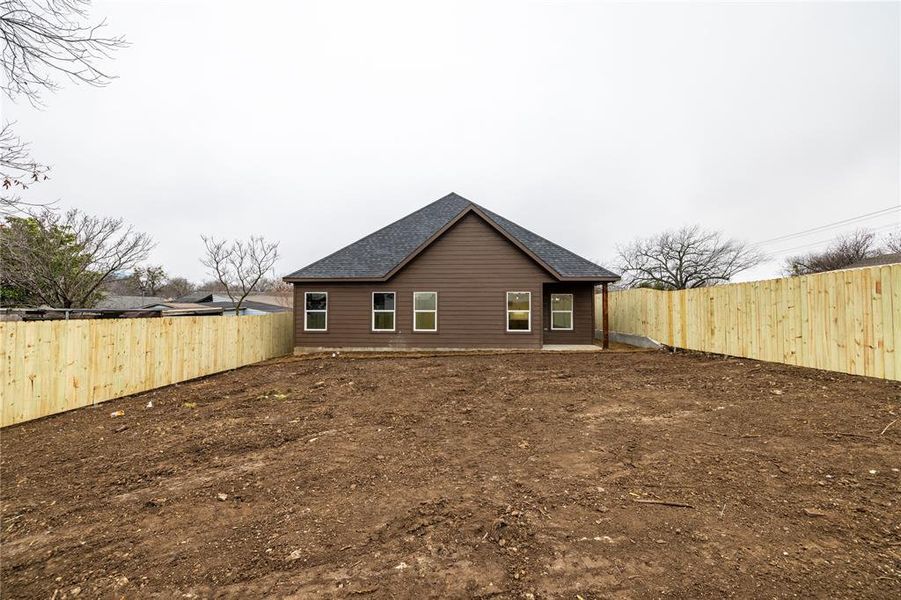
812,244
848,221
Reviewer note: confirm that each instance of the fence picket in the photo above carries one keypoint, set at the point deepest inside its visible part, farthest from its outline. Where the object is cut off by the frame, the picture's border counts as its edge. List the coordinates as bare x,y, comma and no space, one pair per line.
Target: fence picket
847,321
54,366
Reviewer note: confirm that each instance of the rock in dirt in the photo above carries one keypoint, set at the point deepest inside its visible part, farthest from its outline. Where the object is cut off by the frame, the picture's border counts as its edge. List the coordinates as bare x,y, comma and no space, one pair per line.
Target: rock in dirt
222,497
117,413
295,555
813,512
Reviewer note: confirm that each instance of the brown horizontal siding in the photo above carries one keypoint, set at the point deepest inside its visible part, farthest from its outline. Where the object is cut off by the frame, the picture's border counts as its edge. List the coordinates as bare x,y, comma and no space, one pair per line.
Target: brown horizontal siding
583,314
471,267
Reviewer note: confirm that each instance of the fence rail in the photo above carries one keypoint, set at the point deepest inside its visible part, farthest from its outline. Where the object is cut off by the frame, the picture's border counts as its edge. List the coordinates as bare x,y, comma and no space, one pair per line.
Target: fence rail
54,366
847,321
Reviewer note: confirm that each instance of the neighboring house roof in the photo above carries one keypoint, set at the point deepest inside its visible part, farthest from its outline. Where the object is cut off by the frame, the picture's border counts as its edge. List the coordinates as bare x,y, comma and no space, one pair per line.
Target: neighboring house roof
250,304
276,300
382,253
222,301
203,296
126,302
184,308
882,259
196,297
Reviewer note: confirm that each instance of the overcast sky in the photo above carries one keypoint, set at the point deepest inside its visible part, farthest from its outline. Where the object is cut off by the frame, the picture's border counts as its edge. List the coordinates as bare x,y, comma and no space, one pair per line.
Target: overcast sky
315,123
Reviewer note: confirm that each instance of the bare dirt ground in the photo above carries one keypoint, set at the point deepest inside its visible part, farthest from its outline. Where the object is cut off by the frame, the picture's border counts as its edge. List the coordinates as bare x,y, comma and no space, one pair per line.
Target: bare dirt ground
508,476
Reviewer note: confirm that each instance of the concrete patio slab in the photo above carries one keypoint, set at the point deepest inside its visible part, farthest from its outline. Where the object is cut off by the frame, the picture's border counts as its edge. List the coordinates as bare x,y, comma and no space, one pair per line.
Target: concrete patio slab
572,348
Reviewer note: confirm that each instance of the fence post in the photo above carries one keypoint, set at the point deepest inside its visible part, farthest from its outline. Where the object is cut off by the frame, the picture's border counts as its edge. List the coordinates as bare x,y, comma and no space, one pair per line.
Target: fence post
604,319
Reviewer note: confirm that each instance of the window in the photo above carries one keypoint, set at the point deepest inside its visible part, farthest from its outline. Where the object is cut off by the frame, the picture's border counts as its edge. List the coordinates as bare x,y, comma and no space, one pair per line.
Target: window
562,312
425,311
519,311
315,311
383,311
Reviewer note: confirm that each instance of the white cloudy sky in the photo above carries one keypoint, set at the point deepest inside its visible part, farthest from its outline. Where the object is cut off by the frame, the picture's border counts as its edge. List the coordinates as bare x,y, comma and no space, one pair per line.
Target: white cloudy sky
314,123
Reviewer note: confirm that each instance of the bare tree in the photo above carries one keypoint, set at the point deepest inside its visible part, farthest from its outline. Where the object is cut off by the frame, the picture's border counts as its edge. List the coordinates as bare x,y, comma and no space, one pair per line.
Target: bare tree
689,257
63,260
148,281
891,244
49,40
239,266
43,41
177,286
212,285
17,172
844,251
282,292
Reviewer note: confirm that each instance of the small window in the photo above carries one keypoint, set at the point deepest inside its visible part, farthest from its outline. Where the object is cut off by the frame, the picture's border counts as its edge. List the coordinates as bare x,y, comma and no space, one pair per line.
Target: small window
383,311
315,311
562,312
425,311
519,311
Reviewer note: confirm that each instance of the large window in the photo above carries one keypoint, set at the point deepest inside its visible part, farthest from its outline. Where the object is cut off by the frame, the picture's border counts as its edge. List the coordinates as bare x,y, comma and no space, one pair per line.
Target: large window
562,312
383,311
425,311
519,311
315,311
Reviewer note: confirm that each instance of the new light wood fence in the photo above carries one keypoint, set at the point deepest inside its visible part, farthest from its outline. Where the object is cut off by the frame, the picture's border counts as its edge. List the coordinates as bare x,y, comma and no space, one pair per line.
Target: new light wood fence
848,321
54,366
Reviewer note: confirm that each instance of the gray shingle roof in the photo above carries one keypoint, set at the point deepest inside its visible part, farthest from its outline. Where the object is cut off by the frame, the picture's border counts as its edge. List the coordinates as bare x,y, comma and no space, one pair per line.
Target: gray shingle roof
261,306
126,302
377,254
882,259
198,296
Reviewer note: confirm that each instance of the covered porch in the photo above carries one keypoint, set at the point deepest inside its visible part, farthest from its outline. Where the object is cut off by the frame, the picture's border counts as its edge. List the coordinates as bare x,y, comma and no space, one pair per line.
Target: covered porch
569,315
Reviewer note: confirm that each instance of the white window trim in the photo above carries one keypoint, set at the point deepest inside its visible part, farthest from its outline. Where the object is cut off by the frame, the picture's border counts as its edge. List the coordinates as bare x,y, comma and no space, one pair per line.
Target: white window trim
305,311
392,311
572,300
507,306
415,311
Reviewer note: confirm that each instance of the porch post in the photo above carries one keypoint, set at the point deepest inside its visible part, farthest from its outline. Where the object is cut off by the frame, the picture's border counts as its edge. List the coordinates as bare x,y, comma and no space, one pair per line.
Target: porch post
604,321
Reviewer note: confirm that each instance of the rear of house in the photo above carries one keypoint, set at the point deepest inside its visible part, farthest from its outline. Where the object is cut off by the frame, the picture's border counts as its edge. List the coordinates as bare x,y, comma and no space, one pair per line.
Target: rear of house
450,275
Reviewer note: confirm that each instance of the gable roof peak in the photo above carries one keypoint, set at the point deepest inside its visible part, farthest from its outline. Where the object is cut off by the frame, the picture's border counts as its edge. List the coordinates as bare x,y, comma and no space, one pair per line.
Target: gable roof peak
381,253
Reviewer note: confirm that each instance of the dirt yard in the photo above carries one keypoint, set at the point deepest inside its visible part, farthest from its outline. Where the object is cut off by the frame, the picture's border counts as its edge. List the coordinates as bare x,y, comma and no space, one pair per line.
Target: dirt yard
508,476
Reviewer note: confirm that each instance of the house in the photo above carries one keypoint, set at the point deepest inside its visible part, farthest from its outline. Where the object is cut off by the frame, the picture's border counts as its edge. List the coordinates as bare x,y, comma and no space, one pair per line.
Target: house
221,300
184,309
450,275
201,296
117,302
159,309
874,261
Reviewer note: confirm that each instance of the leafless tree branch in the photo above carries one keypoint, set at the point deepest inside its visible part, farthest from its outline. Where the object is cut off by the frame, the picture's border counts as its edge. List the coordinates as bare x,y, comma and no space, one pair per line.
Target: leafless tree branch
17,172
45,40
841,253
240,266
689,257
63,259
891,244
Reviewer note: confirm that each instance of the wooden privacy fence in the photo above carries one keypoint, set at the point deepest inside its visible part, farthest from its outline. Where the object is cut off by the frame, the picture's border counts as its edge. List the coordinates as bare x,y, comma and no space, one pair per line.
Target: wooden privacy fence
848,321
53,366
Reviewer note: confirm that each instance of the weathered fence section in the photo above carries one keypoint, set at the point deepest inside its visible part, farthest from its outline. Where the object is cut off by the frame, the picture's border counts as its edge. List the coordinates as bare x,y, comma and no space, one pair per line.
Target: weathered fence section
53,366
848,321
